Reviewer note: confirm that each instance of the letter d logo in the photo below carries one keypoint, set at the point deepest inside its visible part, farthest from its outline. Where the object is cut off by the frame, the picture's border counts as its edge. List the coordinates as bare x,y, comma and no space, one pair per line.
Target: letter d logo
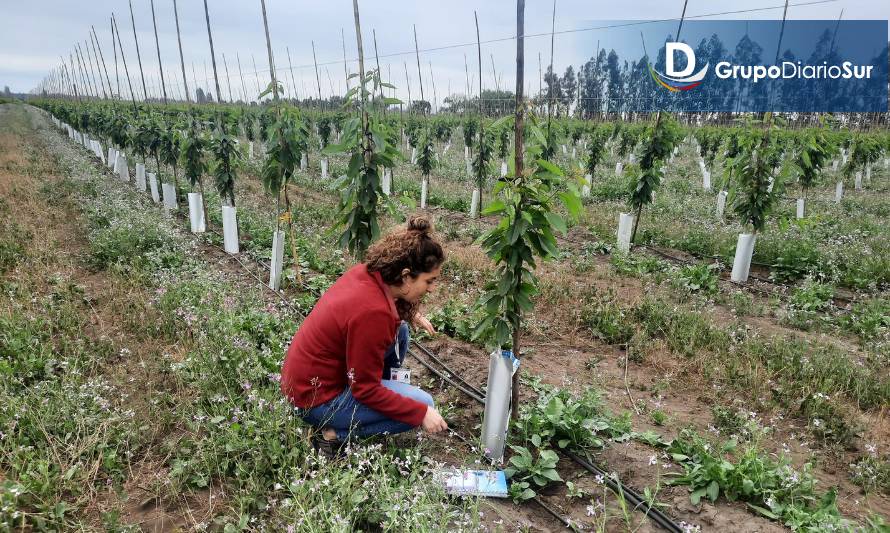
670,49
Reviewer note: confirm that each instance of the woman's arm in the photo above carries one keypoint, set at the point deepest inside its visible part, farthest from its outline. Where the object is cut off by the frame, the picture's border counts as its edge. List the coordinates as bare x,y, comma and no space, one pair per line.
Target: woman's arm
368,337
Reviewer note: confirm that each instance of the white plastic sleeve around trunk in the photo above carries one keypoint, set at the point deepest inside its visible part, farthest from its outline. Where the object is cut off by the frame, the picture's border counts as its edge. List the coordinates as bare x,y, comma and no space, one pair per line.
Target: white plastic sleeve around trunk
277,260
230,229
497,405
169,196
196,212
744,250
474,203
153,187
625,228
424,190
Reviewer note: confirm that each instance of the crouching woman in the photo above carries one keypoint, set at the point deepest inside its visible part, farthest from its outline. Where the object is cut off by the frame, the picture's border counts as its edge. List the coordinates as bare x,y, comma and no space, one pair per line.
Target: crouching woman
338,368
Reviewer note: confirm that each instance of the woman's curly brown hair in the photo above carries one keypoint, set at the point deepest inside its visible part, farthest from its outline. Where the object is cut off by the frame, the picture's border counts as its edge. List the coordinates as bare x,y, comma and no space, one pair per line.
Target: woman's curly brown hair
414,247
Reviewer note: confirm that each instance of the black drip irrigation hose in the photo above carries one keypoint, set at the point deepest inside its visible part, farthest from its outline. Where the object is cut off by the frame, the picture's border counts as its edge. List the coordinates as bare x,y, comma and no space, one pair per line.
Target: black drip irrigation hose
611,481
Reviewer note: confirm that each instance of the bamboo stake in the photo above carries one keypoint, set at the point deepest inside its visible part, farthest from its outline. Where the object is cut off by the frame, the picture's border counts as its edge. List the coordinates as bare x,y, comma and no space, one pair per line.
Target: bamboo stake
158,46
345,70
114,48
379,72
290,67
94,63
185,82
228,80
552,72
124,60
433,81
467,98
481,121
83,71
408,83
317,78
256,75
417,53
241,74
212,53
102,56
138,54
518,148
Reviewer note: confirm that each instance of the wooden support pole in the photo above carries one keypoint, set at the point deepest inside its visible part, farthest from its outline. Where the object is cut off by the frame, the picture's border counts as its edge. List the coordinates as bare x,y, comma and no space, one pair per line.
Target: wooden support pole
290,68
241,74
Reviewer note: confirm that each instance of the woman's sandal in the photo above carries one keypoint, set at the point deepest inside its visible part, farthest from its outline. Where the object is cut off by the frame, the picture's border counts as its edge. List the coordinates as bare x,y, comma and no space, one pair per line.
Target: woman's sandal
332,449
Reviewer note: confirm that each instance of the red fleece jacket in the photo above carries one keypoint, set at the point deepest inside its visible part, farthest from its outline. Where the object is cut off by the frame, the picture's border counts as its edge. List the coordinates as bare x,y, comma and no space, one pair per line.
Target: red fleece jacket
342,343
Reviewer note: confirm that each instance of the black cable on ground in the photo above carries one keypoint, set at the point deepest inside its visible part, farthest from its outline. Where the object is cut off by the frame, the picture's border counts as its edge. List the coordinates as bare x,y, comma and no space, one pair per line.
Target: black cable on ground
631,496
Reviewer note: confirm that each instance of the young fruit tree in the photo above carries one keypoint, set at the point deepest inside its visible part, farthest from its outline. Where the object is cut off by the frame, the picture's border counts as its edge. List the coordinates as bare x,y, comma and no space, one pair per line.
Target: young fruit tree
367,139
525,200
809,161
753,197
660,139
425,162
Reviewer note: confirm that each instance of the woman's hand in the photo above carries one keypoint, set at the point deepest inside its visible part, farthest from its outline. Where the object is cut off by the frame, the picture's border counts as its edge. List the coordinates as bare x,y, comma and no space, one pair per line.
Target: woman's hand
422,322
433,421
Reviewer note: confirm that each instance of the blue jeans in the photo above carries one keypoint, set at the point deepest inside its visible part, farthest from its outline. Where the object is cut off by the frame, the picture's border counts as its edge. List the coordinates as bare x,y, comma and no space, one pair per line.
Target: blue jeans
346,415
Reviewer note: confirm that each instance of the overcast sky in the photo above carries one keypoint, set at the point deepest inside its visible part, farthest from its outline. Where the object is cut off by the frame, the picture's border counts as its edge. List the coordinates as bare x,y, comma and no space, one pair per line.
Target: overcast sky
35,33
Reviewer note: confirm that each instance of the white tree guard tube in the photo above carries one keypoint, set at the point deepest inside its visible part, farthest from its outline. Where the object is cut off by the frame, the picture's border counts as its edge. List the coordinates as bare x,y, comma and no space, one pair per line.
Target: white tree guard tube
196,212
169,191
857,183
838,192
574,153
386,182
424,190
625,228
447,147
834,165
122,169
619,168
721,203
565,150
632,158
140,177
744,250
868,173
111,157
250,150
414,155
304,162
504,169
498,393
474,203
800,207
585,189
153,187
705,175
466,152
277,260
230,229
469,168
324,168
